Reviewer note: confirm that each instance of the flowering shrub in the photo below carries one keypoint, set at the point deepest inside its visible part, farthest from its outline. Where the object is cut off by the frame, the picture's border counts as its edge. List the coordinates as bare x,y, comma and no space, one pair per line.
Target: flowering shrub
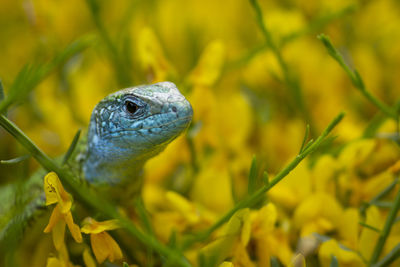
257,180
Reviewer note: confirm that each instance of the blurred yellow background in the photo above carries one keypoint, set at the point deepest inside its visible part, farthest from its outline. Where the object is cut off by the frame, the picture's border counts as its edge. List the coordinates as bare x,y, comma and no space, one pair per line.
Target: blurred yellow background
216,54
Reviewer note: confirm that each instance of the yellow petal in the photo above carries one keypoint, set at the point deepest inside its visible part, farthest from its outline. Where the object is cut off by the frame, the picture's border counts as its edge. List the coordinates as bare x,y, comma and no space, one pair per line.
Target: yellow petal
54,218
210,65
64,256
226,264
58,233
54,262
348,227
318,213
241,257
99,247
356,152
88,259
395,168
115,250
265,221
104,247
55,192
73,228
368,237
344,257
151,56
50,188
91,226
181,204
246,231
324,173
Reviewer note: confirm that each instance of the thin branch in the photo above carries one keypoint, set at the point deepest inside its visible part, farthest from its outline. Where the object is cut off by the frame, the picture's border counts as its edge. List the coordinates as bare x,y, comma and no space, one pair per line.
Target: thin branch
260,193
355,77
89,197
386,229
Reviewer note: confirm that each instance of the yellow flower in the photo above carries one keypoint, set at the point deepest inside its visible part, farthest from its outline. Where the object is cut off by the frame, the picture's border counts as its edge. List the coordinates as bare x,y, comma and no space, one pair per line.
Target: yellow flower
55,262
226,264
292,190
103,245
62,260
369,237
323,174
349,228
214,179
318,213
171,211
151,56
345,257
268,239
183,206
61,215
88,259
210,64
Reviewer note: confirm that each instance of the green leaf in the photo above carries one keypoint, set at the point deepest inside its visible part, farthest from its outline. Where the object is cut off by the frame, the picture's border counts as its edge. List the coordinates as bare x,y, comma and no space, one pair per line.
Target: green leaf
390,219
274,262
309,143
306,135
389,258
201,260
358,80
143,215
252,184
373,125
328,45
234,193
2,95
369,227
15,160
355,77
380,195
172,242
32,74
334,262
72,147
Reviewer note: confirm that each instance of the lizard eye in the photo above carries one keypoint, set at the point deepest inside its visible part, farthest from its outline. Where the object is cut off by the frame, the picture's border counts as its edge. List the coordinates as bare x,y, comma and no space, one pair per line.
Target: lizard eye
131,107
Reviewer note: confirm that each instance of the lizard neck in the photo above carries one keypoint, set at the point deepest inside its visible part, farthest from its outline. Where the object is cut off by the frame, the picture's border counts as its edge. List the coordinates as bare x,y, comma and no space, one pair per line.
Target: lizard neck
111,164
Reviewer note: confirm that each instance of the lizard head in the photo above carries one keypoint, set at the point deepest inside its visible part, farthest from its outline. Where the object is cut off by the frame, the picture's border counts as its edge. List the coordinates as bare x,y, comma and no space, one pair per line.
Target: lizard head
132,125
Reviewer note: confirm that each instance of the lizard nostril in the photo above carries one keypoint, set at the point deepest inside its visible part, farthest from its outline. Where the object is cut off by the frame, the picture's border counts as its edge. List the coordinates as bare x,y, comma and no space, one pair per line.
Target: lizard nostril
174,109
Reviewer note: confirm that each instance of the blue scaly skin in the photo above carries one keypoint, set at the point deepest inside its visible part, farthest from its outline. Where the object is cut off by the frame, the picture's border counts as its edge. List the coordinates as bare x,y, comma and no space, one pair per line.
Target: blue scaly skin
126,129
131,126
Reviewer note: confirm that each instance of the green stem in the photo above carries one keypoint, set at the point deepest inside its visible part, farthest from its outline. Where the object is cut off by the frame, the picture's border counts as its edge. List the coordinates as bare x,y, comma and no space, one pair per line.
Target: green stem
123,77
355,77
257,195
88,196
389,258
290,81
386,230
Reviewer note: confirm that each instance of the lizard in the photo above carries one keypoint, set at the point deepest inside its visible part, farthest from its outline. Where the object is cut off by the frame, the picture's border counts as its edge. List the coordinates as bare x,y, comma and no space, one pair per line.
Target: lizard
126,129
